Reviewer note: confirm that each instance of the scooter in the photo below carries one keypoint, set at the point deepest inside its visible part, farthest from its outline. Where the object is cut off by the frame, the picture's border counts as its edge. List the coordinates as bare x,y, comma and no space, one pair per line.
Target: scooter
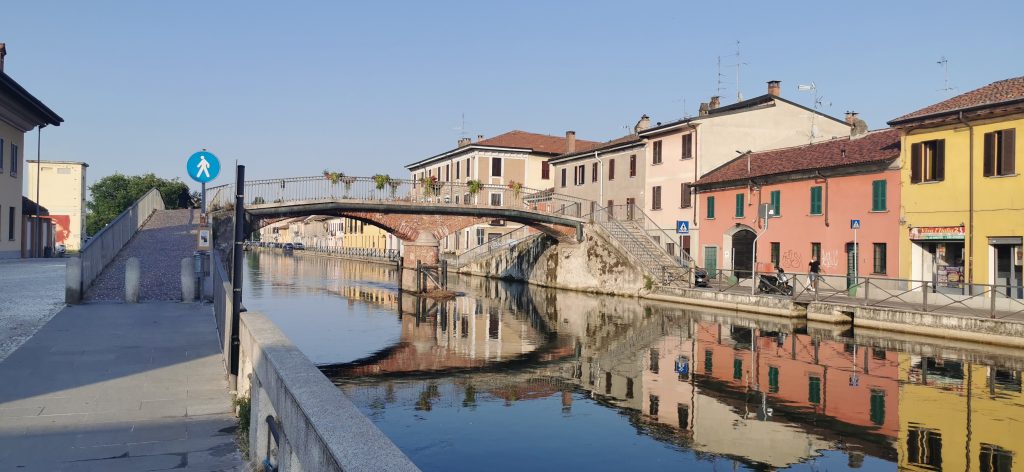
700,278
775,284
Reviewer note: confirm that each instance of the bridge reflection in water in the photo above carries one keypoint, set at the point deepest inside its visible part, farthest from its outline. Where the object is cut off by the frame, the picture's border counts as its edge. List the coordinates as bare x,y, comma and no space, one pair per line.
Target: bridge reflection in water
513,377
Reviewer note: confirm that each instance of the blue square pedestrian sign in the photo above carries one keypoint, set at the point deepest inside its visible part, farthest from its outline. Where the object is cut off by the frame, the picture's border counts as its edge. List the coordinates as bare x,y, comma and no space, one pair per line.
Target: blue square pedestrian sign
854,224
682,227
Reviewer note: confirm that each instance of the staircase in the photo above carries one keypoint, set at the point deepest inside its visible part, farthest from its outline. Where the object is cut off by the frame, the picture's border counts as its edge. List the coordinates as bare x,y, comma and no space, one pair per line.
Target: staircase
628,227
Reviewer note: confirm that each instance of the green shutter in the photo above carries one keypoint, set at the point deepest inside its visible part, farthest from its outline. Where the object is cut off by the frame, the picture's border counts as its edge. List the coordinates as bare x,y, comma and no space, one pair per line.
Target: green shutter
814,390
878,200
773,379
708,362
877,407
739,205
711,207
737,369
816,200
777,202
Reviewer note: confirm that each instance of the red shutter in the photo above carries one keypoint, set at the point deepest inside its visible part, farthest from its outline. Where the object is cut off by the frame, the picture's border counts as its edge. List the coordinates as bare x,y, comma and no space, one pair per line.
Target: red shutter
990,154
1007,156
915,162
940,160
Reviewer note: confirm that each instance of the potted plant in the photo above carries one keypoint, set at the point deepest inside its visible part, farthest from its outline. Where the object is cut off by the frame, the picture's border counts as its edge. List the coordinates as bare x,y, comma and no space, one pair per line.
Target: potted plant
394,184
517,188
381,181
429,185
334,177
348,182
474,186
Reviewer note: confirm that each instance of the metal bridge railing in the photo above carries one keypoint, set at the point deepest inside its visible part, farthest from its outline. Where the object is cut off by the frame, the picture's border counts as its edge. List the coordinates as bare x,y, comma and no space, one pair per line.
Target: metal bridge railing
505,241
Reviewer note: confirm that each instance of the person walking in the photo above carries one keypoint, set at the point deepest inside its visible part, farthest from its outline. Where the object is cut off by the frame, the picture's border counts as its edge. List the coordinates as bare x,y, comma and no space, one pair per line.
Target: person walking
814,272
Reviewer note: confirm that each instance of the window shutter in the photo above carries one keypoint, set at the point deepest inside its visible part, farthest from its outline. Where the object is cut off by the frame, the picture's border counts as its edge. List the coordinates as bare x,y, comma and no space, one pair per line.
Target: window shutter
684,198
1007,156
915,162
990,154
940,160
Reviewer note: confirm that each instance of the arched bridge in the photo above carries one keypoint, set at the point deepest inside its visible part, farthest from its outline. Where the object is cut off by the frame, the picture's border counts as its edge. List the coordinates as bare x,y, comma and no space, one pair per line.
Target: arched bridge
406,208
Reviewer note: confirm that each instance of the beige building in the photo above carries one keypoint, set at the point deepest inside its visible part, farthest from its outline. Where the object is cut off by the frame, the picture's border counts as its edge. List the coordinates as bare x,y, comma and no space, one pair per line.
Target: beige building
20,112
676,154
516,156
610,174
62,193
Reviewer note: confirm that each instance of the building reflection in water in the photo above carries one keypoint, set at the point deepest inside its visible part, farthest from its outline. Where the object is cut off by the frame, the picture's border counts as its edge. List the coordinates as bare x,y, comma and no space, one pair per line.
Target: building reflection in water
763,394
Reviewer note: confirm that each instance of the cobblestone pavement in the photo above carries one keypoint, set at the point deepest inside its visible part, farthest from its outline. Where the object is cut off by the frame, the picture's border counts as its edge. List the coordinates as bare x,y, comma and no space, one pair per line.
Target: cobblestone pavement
118,387
167,237
31,292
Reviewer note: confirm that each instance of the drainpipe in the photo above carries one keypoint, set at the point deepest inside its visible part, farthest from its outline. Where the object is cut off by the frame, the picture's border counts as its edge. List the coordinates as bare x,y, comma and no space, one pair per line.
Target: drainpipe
970,200
818,173
600,178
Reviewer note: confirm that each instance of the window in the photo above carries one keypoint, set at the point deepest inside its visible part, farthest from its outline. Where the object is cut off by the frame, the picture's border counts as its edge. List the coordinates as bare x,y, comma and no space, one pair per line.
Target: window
545,171
999,153
469,174
814,390
816,200
656,198
924,447
878,191
458,173
773,379
629,388
607,383
684,195
683,415
654,405
495,167
582,169
563,176
687,146
632,165
708,361
611,169
479,236
879,265
928,161
496,199
877,407
737,369
776,250
448,173
10,223
816,251
995,459
593,172
711,208
657,153
739,205
14,160
1,155
776,205
655,355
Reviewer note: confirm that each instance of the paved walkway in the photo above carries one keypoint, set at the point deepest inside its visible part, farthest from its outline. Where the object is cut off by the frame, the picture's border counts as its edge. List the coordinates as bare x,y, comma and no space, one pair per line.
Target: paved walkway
111,387
31,292
167,237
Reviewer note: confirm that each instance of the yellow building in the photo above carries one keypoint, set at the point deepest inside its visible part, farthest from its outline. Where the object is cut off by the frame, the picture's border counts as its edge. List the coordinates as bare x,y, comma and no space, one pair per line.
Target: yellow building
956,415
62,193
962,199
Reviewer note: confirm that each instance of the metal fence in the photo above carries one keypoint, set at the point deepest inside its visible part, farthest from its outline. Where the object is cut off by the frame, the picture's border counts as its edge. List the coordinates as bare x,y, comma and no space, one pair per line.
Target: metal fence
99,250
222,295
628,225
369,189
505,241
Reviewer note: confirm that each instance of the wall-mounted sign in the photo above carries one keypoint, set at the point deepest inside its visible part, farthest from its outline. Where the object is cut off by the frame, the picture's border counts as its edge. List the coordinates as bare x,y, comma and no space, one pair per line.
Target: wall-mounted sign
937,232
203,238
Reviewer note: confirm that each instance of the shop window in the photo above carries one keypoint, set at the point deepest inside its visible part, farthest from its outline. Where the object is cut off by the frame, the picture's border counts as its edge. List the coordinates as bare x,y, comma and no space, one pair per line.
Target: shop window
878,196
739,205
999,153
816,200
924,447
928,161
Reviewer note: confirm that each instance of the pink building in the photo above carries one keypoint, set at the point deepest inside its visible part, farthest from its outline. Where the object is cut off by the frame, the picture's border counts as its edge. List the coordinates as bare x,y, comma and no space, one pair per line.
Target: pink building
813,191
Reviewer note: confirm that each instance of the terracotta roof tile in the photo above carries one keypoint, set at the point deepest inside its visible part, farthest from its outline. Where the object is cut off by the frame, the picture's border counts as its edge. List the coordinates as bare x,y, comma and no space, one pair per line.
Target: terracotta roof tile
627,139
996,92
875,146
542,143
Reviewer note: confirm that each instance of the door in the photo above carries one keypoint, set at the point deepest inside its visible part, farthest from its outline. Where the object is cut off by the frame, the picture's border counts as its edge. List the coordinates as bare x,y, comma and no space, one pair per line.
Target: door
630,203
1008,270
743,253
711,261
851,265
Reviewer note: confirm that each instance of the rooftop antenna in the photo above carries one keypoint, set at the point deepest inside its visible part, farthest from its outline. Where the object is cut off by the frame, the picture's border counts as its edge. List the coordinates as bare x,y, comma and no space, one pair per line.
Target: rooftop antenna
739,63
818,99
718,78
462,127
945,79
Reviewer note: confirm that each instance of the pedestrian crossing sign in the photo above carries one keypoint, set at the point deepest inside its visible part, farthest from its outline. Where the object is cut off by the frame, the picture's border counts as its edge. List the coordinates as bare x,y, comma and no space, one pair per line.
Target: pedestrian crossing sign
854,224
682,227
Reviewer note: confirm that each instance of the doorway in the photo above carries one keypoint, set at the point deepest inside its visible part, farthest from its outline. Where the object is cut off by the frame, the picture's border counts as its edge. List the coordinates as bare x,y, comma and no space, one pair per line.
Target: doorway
743,253
1008,266
711,261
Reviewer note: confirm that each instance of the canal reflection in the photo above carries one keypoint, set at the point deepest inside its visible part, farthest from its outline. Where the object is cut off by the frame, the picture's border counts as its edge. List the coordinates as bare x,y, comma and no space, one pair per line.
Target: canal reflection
510,377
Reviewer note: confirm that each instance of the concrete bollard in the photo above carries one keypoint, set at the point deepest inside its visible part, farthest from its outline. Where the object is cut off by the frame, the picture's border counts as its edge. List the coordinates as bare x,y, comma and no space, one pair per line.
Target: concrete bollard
131,280
188,282
73,281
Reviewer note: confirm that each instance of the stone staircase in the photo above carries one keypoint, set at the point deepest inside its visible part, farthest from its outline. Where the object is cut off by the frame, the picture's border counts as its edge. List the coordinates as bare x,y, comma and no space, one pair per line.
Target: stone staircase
631,235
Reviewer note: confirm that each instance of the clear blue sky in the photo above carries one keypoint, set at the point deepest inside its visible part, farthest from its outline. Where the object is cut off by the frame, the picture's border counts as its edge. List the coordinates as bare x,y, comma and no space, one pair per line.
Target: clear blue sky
291,88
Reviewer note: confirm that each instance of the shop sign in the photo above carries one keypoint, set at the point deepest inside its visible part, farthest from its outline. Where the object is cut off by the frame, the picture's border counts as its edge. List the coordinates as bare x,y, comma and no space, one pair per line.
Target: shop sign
937,232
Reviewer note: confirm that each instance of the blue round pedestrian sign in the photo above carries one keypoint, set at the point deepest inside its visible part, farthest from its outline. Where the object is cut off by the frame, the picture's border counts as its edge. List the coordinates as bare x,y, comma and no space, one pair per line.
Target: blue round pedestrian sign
203,166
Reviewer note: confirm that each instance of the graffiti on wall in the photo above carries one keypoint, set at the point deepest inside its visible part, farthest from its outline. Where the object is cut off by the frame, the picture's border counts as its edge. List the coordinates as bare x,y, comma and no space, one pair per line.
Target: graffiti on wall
63,223
792,260
830,259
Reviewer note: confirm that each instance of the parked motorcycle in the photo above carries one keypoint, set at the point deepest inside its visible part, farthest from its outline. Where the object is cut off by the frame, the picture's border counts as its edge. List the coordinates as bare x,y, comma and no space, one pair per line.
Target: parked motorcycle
775,284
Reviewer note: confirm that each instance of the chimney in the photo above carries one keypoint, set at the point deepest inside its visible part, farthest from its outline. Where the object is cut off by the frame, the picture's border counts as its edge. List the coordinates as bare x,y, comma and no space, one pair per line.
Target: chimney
703,109
858,126
3,52
644,123
479,138
773,87
714,103
849,117
570,141
463,142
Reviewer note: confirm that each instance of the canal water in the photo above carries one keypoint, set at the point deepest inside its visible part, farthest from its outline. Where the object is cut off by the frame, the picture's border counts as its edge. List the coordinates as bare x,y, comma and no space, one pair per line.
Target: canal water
513,377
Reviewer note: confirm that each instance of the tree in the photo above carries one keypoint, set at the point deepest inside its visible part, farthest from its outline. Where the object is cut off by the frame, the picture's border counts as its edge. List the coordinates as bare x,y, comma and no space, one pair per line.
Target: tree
113,194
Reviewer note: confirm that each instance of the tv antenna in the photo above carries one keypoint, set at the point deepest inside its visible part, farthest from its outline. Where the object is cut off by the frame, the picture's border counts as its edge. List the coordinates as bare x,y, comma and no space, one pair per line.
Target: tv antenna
818,104
945,78
462,127
719,86
739,63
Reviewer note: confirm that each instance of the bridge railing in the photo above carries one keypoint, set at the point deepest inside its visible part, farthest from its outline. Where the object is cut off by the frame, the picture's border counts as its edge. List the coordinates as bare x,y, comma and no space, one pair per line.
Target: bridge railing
295,189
